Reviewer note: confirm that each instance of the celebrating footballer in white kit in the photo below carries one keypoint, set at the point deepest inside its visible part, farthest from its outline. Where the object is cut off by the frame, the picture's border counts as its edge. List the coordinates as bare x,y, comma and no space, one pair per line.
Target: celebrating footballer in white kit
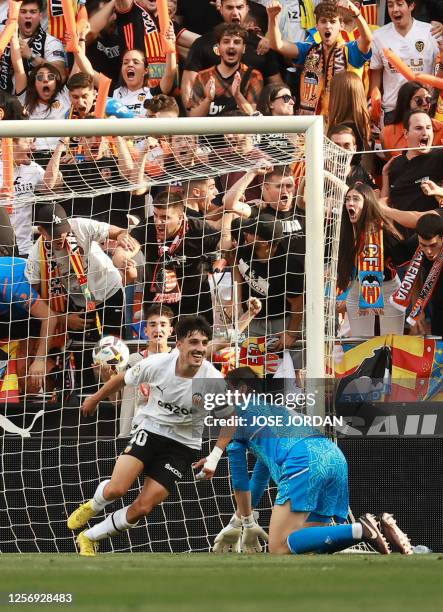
168,435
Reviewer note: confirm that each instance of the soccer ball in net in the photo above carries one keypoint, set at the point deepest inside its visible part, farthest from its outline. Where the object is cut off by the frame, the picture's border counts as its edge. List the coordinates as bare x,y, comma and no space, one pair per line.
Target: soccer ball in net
111,351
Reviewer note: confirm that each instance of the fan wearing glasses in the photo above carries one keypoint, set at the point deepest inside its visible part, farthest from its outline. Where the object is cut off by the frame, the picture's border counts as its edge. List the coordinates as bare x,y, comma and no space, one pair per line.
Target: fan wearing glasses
276,100
411,96
43,94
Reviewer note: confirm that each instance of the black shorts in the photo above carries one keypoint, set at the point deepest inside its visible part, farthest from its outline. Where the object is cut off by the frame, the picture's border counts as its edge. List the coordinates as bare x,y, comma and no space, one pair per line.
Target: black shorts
165,460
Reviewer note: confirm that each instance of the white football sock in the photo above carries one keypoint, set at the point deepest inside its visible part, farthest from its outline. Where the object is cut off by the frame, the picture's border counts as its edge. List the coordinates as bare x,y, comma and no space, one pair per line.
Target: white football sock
114,523
98,501
357,531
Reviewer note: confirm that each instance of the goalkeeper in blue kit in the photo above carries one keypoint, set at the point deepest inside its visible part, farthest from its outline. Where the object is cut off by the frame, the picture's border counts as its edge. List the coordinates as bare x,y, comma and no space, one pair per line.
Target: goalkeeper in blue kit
311,475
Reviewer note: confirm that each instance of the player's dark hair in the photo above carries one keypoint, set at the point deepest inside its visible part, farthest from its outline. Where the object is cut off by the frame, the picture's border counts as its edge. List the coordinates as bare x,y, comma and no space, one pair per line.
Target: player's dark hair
341,128
169,199
161,102
231,30
407,117
327,9
159,310
277,171
80,79
39,3
429,226
188,325
245,376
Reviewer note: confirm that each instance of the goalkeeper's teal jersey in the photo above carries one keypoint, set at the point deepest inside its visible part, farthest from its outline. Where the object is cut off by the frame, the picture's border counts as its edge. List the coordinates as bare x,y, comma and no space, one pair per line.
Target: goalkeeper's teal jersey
270,433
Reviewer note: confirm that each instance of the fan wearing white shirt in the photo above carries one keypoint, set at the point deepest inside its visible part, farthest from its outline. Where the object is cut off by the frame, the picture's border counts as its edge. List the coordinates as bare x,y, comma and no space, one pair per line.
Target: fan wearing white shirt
415,43
133,91
36,45
28,178
168,438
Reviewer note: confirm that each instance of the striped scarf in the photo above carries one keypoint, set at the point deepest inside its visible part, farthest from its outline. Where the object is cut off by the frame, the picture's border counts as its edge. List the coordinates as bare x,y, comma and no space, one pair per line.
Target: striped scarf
316,77
56,23
402,297
370,272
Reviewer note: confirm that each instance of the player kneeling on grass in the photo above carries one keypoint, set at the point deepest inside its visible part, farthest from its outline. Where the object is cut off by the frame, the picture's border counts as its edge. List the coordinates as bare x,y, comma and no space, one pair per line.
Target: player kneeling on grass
168,437
311,475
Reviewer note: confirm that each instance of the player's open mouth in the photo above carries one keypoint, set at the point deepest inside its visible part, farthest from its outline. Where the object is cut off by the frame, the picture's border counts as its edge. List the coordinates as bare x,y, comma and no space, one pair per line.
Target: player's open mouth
424,142
46,90
231,53
352,213
27,25
284,201
327,35
130,73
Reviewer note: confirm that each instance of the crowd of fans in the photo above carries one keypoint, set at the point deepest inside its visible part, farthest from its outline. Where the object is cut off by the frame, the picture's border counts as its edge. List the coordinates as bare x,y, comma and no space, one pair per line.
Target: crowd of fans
77,260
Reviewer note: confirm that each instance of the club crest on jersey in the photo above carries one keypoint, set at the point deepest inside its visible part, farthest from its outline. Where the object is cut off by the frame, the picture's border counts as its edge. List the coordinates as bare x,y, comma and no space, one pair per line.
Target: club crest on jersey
419,45
56,104
141,97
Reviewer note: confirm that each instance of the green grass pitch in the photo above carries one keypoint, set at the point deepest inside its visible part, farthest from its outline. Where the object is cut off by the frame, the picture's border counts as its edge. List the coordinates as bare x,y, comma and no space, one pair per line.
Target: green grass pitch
225,583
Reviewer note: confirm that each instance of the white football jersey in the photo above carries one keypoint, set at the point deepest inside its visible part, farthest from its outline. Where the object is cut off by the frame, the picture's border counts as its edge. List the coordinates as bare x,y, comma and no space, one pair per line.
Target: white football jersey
58,110
418,49
134,100
26,179
175,406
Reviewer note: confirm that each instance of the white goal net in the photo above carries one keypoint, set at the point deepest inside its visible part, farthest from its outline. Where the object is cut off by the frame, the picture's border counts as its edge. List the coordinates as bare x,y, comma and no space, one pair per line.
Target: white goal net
234,182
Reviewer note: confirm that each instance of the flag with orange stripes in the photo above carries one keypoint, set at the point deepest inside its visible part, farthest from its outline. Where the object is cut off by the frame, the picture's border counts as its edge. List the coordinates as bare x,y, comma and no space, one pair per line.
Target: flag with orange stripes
56,23
369,11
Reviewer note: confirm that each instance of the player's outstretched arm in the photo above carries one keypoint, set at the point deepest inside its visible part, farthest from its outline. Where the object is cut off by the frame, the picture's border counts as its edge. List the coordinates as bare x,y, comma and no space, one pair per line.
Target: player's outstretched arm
209,464
115,384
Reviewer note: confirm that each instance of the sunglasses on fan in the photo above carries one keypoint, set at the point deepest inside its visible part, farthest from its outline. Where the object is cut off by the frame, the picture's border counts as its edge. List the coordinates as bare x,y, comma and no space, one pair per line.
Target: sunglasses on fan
286,98
422,100
45,77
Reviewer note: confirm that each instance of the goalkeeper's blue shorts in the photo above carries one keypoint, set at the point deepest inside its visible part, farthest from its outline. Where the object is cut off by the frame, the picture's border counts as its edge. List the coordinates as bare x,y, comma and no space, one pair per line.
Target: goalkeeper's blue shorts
314,478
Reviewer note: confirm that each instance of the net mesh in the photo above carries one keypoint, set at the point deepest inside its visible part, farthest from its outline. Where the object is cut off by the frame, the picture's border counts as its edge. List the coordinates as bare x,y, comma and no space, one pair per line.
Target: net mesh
51,458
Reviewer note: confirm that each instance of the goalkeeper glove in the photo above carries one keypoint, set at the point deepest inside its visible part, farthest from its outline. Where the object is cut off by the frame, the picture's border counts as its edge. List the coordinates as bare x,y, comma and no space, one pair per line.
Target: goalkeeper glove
252,531
229,538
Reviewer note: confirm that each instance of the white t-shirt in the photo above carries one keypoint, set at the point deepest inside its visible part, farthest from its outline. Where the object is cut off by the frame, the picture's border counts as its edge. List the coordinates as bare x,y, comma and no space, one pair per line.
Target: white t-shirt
133,99
59,108
4,6
290,19
103,277
174,408
418,49
53,51
26,179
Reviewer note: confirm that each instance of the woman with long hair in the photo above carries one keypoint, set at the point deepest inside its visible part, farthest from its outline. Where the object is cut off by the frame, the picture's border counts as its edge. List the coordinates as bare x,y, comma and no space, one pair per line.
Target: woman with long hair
44,96
348,106
276,100
133,76
411,96
366,275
